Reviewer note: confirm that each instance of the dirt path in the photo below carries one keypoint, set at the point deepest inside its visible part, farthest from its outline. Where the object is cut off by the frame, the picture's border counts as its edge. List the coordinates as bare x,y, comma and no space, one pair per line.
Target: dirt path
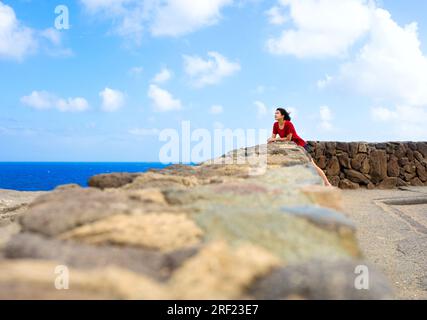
393,236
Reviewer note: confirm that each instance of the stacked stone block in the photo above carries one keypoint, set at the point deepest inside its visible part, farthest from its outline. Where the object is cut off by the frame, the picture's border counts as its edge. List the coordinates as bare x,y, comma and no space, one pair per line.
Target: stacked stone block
386,165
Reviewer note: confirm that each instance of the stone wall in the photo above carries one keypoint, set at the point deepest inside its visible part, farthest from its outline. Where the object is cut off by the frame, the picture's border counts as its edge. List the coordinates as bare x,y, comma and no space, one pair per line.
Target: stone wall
210,231
386,165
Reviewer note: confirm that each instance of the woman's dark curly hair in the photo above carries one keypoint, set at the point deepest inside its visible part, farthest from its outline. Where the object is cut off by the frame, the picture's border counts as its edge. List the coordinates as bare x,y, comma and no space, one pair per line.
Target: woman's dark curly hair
284,113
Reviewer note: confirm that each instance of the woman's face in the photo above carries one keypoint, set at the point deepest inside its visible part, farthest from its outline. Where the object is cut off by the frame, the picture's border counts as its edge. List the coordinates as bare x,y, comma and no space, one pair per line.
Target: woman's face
278,115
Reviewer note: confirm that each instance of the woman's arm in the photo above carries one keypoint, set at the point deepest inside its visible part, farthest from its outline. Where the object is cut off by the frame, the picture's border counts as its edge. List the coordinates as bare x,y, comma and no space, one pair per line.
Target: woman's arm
287,138
274,134
272,138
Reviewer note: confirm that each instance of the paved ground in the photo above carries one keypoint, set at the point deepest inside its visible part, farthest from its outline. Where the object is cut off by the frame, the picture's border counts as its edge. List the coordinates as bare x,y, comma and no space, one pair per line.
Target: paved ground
393,236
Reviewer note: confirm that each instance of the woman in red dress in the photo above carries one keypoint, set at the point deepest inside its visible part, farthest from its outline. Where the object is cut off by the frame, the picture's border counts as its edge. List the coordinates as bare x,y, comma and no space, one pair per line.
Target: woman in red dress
286,131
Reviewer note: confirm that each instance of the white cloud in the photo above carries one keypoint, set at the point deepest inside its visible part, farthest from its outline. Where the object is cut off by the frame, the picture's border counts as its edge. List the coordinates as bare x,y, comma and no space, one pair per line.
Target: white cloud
163,76
261,108
53,35
72,104
43,100
325,118
131,18
16,40
390,66
128,16
322,28
276,15
111,5
391,69
162,99
216,109
383,114
112,100
211,71
323,83
178,17
39,100
410,121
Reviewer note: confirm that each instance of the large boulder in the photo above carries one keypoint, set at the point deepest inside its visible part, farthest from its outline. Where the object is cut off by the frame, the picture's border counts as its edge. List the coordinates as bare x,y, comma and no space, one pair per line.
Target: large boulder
356,162
388,183
378,165
393,167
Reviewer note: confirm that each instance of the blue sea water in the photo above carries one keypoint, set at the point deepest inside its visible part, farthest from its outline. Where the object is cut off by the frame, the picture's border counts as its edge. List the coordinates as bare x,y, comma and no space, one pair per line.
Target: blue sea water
44,176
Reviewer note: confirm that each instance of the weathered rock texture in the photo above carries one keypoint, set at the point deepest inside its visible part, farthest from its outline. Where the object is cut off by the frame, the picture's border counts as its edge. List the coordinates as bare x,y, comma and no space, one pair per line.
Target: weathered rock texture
255,223
351,165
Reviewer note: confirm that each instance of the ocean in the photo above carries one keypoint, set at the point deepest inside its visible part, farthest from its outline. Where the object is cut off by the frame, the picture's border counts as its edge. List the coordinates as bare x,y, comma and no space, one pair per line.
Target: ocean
45,176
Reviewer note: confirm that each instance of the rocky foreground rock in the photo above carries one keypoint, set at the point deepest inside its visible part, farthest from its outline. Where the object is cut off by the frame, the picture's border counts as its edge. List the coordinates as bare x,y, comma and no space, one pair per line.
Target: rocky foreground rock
256,223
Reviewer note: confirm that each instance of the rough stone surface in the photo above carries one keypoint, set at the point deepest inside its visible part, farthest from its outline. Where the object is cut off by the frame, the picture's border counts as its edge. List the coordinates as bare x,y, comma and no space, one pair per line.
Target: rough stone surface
111,180
84,256
162,231
318,280
59,211
210,231
378,165
388,183
356,176
68,186
221,272
333,168
14,203
393,167
347,184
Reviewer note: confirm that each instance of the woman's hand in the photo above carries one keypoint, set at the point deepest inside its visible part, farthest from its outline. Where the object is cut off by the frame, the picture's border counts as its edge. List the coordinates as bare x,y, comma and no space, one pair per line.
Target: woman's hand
271,140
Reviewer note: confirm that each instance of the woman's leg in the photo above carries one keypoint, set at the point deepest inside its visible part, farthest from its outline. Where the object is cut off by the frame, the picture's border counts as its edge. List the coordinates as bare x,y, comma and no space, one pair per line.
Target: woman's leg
322,174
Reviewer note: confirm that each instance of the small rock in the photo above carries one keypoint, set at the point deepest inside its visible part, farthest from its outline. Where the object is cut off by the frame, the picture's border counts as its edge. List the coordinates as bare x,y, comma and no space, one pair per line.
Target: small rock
67,186
393,167
331,148
343,146
356,176
416,182
344,160
363,148
111,180
370,186
333,168
418,156
353,149
335,181
388,183
422,148
347,184
321,162
378,165
356,162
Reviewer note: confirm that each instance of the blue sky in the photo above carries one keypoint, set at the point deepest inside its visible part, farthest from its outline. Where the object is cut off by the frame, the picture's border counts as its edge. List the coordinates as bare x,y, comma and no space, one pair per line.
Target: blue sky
102,90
